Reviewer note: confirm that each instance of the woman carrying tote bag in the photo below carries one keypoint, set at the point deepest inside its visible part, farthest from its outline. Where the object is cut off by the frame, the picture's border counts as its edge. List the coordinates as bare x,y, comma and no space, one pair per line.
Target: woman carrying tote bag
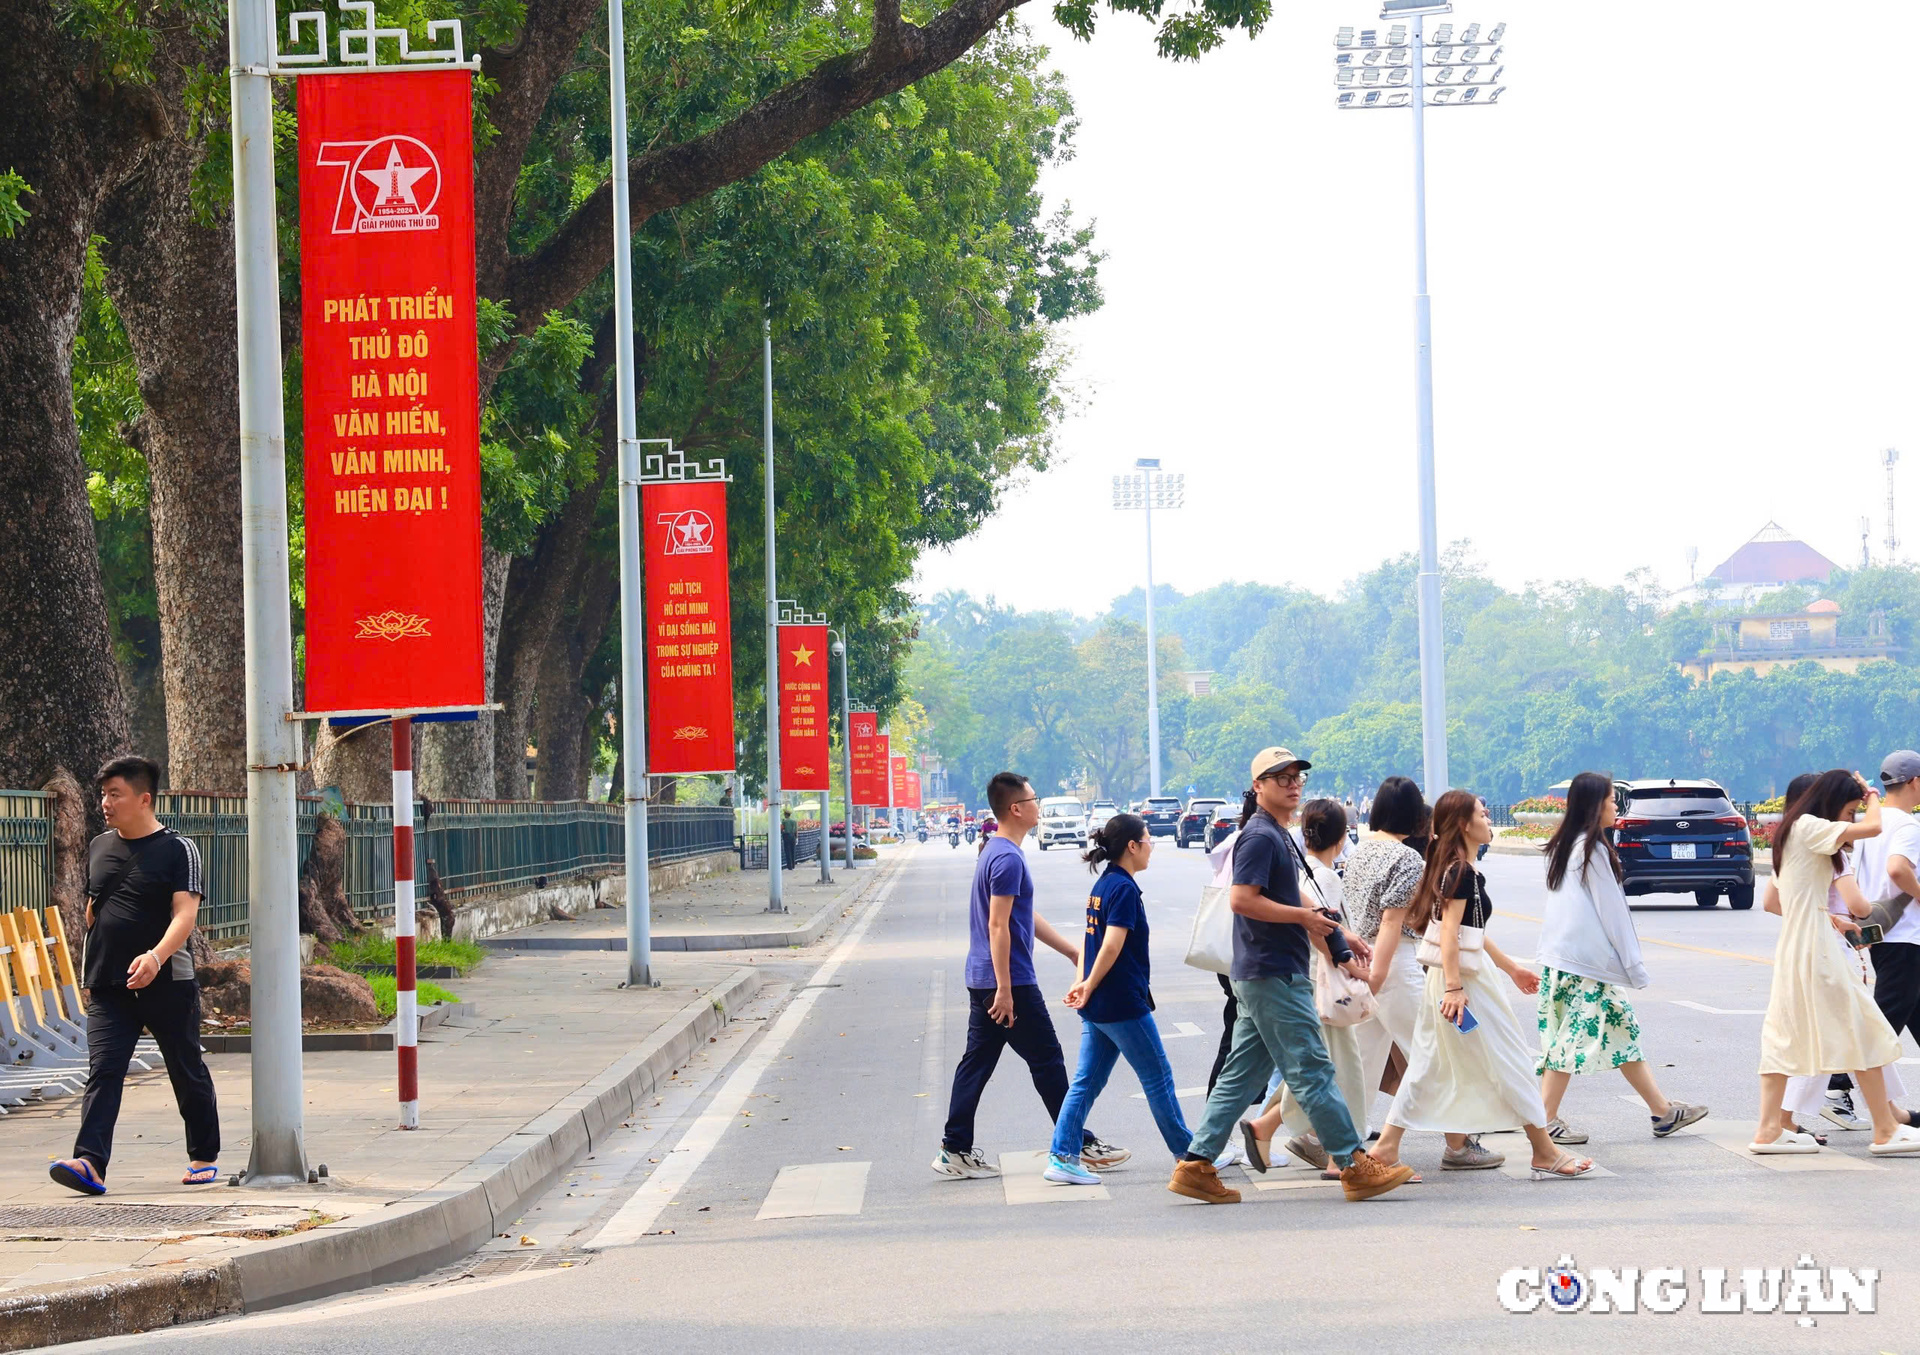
1470,1070
1588,952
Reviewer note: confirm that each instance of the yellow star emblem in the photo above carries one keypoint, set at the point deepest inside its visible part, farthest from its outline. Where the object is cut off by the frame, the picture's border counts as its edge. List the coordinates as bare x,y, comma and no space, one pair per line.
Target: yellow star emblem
803,657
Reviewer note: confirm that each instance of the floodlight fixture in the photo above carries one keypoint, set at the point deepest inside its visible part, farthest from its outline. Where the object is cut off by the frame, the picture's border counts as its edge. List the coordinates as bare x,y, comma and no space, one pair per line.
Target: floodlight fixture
1397,36
1399,76
1344,76
1399,98
1373,58
1370,76
1398,56
1497,32
1471,33
1442,75
1469,96
1343,38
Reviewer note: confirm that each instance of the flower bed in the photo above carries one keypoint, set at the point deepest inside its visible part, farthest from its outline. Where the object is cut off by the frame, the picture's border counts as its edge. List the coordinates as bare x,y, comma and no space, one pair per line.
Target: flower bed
1541,804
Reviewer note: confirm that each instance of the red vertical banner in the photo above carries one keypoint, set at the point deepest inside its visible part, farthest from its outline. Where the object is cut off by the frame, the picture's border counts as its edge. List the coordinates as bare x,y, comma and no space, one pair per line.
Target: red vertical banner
804,753
689,640
882,768
390,386
897,768
869,769
912,800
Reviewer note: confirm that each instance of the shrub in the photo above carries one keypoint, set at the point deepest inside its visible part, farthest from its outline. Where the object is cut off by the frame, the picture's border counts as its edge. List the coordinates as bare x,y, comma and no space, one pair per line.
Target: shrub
1541,804
384,999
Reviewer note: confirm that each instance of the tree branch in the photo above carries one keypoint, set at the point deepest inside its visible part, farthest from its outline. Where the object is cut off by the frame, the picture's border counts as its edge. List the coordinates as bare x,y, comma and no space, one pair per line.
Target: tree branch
673,175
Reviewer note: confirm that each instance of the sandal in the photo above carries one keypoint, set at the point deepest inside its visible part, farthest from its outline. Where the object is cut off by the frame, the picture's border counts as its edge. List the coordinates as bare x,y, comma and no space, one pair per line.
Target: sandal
1559,1170
201,1176
77,1174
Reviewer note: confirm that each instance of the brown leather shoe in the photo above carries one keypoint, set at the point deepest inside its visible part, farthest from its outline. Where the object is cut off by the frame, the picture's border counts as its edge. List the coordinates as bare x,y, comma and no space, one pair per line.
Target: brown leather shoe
1199,1181
1366,1177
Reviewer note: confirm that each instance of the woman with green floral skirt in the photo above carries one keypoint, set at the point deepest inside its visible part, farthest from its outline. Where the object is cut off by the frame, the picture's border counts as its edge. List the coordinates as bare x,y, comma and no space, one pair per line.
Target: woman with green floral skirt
1588,953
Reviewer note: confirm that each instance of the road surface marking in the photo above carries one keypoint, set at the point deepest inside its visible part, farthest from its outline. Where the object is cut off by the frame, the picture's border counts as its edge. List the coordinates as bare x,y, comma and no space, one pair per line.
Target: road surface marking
816,1189
933,1041
1735,1135
1181,1030
641,1213
1020,1175
1718,1011
1177,1091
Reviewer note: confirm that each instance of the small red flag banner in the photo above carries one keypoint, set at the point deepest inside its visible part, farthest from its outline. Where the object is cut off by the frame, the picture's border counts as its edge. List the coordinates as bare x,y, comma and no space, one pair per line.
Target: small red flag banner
390,387
689,639
869,763
804,752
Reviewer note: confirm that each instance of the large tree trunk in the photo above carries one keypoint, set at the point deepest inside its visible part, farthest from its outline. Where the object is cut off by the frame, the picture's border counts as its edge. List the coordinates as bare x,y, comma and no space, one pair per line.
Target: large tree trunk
538,591
563,708
71,136
456,760
171,279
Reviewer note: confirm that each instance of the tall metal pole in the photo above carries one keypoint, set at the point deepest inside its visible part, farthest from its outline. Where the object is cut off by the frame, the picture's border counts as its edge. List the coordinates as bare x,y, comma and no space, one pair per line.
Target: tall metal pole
775,902
406,998
1433,684
278,1153
1153,675
633,620
846,742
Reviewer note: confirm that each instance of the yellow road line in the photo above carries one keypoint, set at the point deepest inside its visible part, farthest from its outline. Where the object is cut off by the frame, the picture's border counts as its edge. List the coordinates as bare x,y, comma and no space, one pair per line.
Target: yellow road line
1670,945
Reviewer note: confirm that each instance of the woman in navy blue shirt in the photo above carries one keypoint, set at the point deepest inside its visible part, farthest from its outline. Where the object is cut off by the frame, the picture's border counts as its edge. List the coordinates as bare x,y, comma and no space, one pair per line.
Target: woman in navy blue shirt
1114,1003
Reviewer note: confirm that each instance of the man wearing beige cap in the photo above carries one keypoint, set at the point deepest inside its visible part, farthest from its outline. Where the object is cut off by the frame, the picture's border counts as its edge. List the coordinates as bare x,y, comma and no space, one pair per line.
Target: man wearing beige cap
1273,981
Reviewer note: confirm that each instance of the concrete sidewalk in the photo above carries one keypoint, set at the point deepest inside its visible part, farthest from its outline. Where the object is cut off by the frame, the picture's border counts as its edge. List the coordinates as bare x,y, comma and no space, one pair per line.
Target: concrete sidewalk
720,912
546,1053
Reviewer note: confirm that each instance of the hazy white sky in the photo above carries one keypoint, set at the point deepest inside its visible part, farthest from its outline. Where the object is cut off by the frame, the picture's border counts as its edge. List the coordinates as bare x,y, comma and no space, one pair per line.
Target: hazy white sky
1674,278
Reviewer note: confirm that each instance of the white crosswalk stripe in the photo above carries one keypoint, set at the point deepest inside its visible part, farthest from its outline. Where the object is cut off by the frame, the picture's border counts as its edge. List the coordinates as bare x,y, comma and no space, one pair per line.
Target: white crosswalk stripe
815,1190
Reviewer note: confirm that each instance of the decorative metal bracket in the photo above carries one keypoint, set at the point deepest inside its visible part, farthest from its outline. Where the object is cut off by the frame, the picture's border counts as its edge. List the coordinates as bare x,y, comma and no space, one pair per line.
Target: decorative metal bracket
360,47
792,613
672,467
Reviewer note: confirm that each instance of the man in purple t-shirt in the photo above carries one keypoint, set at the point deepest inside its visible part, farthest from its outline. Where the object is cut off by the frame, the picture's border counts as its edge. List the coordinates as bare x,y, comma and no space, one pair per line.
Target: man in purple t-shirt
1006,1007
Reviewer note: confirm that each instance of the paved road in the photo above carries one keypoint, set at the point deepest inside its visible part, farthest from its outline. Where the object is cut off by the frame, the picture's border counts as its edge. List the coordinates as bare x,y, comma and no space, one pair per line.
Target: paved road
825,1106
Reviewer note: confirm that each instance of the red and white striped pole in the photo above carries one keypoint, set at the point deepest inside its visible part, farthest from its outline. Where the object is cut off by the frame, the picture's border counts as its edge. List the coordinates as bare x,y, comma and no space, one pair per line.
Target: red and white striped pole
406,1003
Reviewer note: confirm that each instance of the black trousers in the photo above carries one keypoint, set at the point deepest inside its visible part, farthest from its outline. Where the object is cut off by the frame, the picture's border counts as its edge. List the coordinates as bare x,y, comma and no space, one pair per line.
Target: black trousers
1896,985
1030,1036
1229,1016
170,1010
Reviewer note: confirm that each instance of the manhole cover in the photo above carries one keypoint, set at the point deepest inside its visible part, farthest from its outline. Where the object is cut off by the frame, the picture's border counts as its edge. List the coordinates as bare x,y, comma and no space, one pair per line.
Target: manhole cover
16,1217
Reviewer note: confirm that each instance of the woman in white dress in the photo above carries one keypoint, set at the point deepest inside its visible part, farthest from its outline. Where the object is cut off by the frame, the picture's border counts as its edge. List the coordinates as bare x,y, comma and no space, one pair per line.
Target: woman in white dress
1821,1018
1471,1067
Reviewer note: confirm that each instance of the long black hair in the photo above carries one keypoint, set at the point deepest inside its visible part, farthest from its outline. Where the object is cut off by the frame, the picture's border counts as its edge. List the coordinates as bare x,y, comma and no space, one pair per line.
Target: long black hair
1827,798
1587,798
1109,842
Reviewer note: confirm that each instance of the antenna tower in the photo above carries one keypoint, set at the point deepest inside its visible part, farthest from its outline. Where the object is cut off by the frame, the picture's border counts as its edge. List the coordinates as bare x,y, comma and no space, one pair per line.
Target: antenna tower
1866,533
1891,458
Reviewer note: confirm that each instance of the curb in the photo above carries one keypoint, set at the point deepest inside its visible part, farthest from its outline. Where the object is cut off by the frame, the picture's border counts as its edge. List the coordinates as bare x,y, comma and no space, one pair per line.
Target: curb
411,1237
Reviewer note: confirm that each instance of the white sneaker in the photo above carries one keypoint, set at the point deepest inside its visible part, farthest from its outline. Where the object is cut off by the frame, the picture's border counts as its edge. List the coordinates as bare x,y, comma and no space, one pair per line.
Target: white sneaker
963,1166
1233,1156
1905,1141
1100,1156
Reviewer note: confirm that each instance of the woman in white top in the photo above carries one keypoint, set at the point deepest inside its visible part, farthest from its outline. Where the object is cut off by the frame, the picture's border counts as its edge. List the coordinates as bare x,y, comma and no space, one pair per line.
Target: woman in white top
1589,951
1470,1069
1820,1017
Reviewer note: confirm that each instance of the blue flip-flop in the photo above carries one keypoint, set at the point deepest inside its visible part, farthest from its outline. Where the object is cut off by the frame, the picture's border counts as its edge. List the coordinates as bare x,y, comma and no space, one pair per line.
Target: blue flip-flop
201,1176
83,1181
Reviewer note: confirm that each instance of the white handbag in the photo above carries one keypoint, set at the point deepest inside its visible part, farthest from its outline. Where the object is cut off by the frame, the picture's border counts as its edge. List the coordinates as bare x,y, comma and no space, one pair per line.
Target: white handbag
1473,942
1211,945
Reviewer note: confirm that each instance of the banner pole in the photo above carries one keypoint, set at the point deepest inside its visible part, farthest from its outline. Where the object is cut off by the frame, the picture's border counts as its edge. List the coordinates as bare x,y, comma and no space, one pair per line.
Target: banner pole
406,1000
633,645
278,1151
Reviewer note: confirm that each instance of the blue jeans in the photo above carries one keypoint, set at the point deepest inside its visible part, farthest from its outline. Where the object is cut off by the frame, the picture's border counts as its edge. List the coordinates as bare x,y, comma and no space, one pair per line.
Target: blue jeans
1278,1029
1102,1043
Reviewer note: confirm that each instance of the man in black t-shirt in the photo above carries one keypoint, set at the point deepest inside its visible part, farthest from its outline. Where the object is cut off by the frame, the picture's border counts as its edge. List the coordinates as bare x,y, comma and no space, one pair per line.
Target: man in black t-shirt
1277,1025
144,886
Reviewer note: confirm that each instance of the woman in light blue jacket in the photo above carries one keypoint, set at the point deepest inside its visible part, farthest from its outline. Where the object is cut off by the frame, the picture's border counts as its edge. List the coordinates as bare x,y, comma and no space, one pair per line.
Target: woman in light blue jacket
1588,952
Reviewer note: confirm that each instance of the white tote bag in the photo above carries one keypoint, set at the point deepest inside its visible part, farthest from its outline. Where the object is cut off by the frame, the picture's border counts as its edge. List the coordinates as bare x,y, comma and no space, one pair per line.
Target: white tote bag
1211,945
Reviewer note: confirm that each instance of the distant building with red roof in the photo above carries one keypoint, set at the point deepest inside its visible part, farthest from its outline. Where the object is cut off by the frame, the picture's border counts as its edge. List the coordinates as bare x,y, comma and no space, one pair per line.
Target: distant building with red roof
1773,559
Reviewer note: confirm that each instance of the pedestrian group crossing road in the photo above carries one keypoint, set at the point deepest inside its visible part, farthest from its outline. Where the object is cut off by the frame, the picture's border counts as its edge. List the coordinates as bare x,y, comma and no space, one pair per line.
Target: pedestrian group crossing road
778,1190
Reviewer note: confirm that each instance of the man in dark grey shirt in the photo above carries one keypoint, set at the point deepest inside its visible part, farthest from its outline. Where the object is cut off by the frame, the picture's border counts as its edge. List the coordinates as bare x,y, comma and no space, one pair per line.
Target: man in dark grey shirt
1278,1025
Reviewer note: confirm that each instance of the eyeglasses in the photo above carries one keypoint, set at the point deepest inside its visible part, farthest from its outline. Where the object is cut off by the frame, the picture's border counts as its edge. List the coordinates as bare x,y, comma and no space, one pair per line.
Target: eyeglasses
1288,779
1029,800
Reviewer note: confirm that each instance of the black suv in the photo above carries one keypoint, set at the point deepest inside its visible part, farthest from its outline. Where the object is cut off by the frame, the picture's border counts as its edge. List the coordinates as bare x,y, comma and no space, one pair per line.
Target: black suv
1162,813
1194,820
1683,837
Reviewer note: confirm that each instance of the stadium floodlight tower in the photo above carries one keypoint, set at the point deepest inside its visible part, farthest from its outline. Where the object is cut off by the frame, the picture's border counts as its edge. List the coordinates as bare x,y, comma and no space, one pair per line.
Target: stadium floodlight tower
1373,70
1148,490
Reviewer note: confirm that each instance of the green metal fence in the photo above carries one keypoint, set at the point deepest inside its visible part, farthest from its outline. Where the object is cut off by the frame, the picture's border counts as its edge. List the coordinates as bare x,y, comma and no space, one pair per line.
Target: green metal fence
477,846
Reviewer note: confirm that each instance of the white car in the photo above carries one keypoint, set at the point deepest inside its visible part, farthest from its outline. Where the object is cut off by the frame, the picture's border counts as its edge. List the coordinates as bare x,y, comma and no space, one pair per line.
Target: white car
1098,813
1063,821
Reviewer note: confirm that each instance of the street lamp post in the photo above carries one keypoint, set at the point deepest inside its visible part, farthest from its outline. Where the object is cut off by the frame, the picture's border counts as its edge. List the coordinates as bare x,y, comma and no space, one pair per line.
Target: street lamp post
846,740
1148,490
1371,71
775,902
